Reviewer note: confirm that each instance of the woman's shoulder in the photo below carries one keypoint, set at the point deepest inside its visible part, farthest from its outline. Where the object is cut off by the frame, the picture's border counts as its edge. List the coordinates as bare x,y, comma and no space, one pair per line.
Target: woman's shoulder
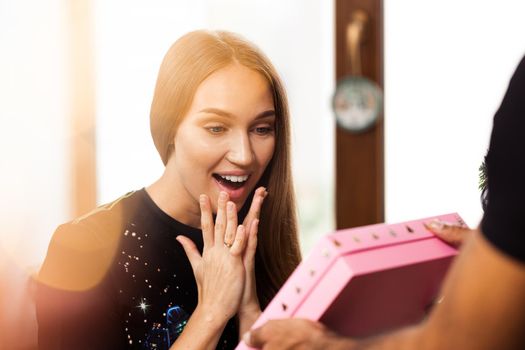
76,260
109,210
81,251
93,231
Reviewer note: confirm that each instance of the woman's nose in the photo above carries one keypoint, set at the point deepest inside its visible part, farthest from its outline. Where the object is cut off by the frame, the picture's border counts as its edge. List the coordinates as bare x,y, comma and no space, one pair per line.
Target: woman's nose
241,151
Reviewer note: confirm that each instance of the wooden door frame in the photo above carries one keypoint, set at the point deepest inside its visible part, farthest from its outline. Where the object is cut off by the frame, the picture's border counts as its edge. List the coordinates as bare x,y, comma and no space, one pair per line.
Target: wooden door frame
360,157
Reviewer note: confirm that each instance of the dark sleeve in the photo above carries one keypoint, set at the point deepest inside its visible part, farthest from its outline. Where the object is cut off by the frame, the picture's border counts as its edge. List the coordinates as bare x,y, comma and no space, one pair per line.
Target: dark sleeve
75,303
503,223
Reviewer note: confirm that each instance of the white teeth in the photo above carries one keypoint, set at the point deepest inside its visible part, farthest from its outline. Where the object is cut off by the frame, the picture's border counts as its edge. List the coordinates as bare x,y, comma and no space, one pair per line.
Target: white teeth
234,178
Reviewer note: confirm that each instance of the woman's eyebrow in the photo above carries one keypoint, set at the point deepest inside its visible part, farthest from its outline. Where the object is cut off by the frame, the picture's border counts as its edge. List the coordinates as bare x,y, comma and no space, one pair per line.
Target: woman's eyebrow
265,114
220,112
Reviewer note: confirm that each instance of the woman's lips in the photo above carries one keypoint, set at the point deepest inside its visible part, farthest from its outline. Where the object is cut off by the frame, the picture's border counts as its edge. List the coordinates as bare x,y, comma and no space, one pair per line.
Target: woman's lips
234,191
232,182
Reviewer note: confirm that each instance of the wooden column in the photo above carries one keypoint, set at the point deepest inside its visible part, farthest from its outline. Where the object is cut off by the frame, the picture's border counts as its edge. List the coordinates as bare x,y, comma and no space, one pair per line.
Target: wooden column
82,107
359,157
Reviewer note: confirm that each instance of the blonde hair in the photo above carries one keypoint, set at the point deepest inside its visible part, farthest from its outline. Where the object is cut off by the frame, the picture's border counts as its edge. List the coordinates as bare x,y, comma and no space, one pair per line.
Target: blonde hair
188,62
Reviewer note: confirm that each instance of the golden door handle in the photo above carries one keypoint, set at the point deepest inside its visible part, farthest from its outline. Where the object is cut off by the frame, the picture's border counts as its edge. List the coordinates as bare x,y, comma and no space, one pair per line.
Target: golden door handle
355,32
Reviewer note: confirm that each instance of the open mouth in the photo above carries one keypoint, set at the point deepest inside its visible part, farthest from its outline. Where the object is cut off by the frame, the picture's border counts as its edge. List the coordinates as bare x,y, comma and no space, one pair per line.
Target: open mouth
231,181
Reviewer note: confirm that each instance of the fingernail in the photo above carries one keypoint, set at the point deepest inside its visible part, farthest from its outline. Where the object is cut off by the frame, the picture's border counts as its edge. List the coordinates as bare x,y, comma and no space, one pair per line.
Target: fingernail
222,195
230,206
246,338
435,225
202,198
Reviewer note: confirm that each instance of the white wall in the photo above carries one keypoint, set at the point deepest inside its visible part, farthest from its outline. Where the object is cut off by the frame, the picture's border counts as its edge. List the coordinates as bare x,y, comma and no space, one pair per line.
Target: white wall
131,39
447,66
33,119
297,36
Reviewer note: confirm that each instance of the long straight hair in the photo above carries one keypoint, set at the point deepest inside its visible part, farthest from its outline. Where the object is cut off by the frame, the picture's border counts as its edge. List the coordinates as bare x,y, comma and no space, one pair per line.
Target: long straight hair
188,62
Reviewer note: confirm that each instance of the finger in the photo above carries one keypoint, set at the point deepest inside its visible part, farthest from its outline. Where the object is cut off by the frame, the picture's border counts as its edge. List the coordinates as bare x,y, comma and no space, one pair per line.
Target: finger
220,220
451,233
191,250
239,242
206,220
256,338
231,222
255,207
251,245
251,339
454,235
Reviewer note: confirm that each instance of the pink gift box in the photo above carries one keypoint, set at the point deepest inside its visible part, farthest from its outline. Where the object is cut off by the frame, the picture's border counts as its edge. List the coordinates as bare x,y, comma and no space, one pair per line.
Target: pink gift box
367,280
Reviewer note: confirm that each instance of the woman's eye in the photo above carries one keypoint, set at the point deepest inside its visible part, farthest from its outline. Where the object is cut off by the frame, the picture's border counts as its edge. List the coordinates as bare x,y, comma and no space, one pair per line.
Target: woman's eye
263,130
215,129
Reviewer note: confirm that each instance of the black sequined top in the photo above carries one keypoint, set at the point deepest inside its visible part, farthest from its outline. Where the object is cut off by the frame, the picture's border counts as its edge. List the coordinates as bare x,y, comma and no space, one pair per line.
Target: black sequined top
117,279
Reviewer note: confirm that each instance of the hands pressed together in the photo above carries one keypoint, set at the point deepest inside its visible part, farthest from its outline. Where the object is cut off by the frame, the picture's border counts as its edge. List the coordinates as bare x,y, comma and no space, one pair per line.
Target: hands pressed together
225,273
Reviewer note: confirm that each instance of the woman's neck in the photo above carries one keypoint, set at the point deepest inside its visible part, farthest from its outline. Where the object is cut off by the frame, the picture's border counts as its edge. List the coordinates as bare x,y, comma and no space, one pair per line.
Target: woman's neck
173,199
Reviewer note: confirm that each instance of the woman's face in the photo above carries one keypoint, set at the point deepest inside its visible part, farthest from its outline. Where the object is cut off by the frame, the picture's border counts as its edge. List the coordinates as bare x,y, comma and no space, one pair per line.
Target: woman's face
226,139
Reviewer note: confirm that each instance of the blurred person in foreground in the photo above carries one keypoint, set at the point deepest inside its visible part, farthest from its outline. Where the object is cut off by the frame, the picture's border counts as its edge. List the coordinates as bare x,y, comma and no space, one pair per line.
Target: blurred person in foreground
484,304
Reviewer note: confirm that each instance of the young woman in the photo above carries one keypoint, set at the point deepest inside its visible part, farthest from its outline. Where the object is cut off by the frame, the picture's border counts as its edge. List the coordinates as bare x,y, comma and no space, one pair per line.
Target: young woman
154,269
